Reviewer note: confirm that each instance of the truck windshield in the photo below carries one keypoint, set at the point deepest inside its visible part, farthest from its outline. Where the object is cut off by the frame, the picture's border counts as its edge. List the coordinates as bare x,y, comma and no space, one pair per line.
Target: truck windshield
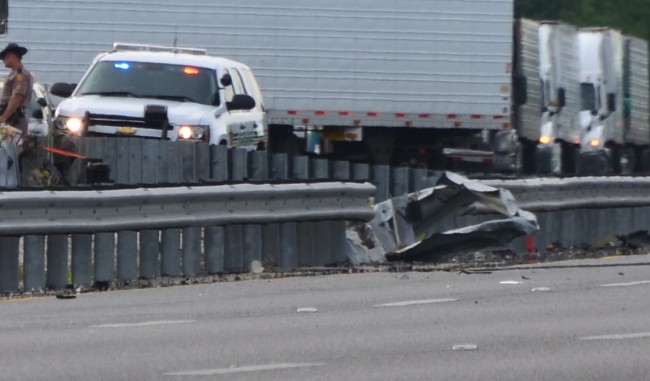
588,96
152,80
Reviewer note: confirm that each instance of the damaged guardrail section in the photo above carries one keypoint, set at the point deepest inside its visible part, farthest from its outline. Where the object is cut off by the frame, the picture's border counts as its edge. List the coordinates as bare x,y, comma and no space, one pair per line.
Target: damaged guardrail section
415,226
128,234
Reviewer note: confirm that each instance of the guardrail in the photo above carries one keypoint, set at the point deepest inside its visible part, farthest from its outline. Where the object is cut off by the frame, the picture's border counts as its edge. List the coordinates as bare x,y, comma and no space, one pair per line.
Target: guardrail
575,212
122,235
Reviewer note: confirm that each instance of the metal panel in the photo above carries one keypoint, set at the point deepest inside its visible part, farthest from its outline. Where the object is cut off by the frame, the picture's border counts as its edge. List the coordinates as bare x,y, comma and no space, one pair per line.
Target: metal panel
341,170
104,257
239,163
259,165
234,248
9,264
272,246
279,166
82,260
301,168
400,181
123,175
253,240
320,169
170,252
202,162
164,162
191,251
176,168
34,262
360,171
150,161
214,249
136,158
306,249
381,179
218,163
57,261
187,163
149,254
127,256
289,246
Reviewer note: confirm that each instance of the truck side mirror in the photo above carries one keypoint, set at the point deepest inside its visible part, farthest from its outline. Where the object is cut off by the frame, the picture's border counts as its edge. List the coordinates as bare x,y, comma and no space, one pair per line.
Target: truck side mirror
226,80
611,102
63,90
241,102
561,97
520,89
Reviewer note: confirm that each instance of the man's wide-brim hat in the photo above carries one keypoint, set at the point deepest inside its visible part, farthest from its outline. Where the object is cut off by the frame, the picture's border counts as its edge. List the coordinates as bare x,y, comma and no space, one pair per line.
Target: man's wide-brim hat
13,48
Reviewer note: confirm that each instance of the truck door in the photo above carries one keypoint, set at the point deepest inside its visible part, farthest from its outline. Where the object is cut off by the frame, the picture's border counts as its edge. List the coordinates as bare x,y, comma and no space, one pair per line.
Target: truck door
243,125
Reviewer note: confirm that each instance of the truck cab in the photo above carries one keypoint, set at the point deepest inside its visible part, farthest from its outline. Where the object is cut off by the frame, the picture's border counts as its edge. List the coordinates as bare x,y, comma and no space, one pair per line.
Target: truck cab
559,138
164,93
601,78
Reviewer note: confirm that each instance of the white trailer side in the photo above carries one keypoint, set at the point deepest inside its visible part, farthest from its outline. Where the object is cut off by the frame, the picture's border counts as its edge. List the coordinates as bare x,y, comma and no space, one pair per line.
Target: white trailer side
424,63
528,120
638,91
568,72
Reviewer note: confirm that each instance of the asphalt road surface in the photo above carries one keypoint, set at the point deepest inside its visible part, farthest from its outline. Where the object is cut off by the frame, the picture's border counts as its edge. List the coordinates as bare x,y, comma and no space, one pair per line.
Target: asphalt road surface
590,321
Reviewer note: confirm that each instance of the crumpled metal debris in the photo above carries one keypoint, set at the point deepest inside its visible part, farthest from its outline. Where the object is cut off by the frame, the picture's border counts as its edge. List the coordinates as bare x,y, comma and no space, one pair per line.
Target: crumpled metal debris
419,226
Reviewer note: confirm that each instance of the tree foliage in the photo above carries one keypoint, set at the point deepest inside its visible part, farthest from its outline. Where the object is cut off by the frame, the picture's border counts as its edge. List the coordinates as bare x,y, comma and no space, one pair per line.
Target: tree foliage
630,16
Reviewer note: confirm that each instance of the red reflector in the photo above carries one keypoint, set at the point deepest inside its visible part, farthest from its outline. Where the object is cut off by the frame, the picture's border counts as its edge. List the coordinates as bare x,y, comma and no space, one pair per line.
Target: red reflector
498,117
345,113
400,115
373,114
408,123
320,112
357,122
487,160
190,70
305,121
476,116
422,151
351,136
458,123
292,112
424,115
451,116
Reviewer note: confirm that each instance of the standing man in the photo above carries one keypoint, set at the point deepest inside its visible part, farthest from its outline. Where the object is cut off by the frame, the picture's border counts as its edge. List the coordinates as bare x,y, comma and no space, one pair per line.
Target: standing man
17,90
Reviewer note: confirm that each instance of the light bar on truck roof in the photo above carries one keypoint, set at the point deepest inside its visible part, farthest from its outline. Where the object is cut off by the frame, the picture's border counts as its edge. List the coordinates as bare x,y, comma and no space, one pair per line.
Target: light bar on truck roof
125,47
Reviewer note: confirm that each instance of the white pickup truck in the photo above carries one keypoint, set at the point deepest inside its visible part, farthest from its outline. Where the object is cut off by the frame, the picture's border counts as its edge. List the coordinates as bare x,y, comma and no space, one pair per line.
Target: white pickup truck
165,93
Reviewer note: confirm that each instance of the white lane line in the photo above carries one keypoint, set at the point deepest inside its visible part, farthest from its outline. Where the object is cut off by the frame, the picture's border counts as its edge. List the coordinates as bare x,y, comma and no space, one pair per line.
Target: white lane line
143,324
244,369
416,302
626,336
630,284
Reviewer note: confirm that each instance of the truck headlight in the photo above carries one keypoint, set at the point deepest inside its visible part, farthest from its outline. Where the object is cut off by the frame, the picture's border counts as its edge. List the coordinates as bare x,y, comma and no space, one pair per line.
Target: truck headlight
186,132
73,124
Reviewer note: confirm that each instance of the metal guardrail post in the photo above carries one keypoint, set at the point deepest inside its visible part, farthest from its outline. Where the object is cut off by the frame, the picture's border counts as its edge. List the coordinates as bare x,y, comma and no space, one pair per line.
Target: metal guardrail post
57,261
34,262
82,264
191,251
149,252
169,248
127,256
9,264
104,257
214,249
